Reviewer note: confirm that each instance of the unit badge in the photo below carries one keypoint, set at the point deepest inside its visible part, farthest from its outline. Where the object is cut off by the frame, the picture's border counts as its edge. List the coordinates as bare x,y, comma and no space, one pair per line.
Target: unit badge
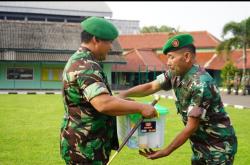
175,43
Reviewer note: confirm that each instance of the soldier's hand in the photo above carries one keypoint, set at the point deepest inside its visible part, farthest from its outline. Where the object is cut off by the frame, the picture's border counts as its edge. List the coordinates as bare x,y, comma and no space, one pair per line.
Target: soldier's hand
148,111
151,154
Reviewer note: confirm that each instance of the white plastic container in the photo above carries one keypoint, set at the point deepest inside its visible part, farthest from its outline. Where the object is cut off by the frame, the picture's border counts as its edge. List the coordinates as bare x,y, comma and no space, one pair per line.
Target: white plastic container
150,133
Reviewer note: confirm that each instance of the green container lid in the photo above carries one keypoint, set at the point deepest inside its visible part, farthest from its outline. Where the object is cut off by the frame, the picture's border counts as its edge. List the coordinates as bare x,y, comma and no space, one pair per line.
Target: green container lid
160,109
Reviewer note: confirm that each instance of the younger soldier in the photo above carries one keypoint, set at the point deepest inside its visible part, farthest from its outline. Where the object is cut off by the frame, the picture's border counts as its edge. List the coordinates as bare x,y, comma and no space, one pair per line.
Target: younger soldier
207,125
88,131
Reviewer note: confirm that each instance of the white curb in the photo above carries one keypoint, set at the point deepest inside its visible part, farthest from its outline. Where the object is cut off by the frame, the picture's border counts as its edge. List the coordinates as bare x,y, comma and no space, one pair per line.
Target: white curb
239,106
226,105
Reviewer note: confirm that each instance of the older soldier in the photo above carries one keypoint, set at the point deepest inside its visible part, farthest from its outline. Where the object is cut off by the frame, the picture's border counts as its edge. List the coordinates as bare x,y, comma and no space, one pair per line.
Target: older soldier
88,131
198,101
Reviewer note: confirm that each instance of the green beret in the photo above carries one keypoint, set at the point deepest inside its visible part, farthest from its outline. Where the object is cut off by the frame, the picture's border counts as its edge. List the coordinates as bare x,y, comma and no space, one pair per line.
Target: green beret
177,42
100,27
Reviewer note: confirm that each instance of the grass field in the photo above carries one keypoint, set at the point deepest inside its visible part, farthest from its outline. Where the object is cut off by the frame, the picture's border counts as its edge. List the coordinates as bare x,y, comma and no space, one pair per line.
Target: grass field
29,133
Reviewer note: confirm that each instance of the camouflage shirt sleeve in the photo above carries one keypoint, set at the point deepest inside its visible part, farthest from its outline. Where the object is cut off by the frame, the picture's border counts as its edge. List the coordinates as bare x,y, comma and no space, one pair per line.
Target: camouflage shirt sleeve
92,84
94,90
195,108
164,80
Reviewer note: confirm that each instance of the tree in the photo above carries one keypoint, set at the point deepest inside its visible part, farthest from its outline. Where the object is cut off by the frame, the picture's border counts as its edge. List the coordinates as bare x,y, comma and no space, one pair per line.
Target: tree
228,70
240,32
153,29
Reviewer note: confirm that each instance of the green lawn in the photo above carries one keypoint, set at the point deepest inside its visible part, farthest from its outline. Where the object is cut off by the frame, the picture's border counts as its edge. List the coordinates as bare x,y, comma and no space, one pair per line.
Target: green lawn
29,133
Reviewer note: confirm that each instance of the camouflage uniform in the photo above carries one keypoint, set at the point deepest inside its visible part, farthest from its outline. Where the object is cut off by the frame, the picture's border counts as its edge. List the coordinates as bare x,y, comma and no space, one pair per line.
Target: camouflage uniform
87,136
214,142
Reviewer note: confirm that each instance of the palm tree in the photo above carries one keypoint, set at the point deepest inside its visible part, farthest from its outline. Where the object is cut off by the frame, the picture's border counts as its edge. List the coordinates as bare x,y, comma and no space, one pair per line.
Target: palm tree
240,39
154,29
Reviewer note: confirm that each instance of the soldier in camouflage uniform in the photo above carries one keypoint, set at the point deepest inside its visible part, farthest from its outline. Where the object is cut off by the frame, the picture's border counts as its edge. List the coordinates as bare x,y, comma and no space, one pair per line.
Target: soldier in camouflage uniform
207,125
88,130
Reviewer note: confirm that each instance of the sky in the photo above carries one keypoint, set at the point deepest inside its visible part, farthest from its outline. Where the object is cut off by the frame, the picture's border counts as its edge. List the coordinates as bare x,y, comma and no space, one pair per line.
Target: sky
210,16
